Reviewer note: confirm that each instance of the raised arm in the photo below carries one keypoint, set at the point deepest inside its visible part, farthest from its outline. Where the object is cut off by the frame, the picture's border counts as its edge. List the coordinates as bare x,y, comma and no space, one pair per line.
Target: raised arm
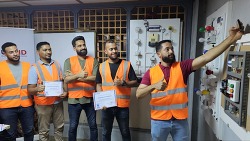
234,35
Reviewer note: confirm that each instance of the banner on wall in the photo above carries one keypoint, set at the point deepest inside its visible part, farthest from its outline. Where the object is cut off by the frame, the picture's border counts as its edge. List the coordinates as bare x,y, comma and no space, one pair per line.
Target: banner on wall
61,44
23,38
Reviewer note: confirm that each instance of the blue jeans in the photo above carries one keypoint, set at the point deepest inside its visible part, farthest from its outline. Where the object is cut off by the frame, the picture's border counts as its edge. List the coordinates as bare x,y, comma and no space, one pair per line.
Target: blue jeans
122,117
178,129
10,116
74,115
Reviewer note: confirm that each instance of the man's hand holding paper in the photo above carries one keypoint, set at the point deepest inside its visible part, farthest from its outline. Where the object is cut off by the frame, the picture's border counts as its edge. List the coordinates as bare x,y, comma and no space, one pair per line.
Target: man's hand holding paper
53,88
105,99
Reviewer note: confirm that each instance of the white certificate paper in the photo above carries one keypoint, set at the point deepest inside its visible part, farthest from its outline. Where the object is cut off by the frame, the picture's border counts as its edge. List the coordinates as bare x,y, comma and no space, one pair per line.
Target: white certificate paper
53,88
4,127
105,99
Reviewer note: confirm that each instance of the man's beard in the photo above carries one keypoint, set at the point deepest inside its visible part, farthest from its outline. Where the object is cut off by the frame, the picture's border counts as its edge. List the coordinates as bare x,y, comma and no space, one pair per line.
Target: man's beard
113,58
82,52
169,60
13,60
48,59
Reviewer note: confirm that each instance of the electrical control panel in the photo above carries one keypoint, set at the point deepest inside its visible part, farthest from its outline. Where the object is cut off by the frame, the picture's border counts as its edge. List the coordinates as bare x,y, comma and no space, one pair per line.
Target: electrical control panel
237,85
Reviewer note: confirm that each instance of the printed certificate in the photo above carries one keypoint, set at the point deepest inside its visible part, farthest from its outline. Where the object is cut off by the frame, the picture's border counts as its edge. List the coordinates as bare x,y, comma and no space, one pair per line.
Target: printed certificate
53,88
105,99
4,127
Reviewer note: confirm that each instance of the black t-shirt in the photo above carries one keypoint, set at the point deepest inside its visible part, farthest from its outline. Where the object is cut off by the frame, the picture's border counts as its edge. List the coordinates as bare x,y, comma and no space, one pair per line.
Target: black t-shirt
113,68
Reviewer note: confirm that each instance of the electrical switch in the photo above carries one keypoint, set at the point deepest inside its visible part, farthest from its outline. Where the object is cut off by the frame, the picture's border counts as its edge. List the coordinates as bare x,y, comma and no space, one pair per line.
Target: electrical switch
153,39
233,89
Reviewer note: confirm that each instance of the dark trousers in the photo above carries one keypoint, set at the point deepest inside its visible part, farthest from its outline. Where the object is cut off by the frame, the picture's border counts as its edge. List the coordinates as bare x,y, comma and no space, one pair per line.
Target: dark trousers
74,115
10,116
122,117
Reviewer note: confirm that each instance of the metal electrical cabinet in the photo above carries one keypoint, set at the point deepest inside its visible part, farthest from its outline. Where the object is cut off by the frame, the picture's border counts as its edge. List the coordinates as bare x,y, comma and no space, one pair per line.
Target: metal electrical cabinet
235,87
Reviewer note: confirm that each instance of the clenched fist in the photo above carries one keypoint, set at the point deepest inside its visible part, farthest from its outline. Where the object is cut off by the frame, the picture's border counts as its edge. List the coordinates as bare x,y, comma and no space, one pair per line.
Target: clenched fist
161,85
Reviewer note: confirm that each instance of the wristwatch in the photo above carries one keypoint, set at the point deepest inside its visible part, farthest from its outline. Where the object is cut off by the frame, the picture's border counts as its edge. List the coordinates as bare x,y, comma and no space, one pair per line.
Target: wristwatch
124,83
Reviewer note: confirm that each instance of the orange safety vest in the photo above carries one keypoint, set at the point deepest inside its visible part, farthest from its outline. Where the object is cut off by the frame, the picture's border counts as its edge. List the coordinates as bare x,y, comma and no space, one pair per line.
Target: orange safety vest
173,101
122,93
44,75
11,94
79,89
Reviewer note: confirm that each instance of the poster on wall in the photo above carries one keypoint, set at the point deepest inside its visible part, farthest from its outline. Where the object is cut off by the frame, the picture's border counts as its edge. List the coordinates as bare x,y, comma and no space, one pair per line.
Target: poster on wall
23,38
145,34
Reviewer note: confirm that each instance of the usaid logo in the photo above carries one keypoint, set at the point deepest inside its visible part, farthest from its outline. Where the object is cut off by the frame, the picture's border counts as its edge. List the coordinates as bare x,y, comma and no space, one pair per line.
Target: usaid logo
21,52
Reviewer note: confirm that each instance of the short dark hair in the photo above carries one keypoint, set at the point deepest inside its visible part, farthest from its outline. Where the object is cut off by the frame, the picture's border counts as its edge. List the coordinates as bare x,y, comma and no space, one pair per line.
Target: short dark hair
159,45
109,41
76,39
7,44
40,44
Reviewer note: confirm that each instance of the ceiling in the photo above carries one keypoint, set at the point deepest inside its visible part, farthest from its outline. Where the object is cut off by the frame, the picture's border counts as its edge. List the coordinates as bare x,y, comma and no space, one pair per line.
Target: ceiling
19,3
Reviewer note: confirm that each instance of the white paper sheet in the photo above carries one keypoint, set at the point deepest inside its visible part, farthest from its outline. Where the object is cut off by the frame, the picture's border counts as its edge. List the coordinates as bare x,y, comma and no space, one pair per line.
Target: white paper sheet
105,99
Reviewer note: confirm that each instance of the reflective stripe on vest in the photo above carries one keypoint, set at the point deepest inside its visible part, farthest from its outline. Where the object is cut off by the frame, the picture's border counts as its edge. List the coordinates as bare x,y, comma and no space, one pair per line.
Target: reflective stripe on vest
41,72
81,88
26,97
40,98
170,107
122,93
15,97
9,87
12,86
11,93
10,97
40,95
169,92
123,96
105,83
172,102
24,87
